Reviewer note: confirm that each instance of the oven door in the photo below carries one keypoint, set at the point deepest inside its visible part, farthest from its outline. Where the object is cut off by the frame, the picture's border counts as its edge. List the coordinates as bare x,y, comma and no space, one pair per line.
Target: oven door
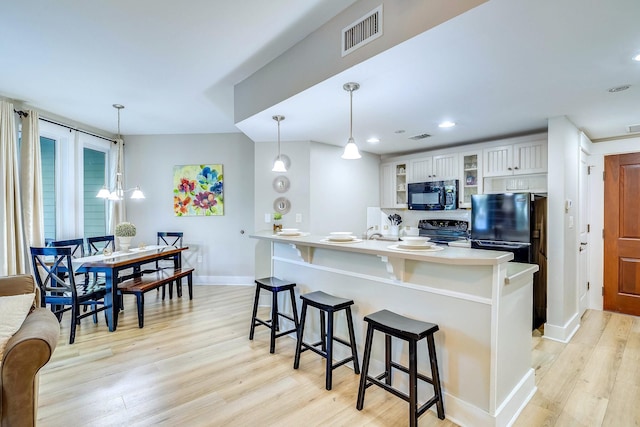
425,196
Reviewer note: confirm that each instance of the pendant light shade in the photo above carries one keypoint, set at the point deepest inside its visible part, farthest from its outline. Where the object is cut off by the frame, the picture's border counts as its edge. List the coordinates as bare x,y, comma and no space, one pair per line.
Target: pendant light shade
278,165
118,192
351,151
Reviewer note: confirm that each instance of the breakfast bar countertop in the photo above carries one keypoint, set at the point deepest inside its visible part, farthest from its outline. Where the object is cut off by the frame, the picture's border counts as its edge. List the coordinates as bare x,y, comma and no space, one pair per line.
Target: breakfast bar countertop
446,255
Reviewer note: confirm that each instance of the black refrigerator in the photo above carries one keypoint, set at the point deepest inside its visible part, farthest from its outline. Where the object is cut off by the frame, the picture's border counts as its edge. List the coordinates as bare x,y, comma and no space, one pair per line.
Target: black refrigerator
515,222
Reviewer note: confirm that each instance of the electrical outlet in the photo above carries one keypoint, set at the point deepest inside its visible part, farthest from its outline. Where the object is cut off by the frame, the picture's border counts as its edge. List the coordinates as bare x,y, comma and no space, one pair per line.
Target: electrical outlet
267,218
199,259
298,217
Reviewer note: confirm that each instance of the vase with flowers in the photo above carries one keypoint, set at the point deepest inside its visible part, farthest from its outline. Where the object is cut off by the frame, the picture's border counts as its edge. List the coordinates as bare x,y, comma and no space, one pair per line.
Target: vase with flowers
277,222
125,231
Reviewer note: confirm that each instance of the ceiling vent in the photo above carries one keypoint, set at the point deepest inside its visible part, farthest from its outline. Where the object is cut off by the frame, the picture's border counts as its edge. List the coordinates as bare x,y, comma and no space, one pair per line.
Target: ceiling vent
421,136
363,31
633,128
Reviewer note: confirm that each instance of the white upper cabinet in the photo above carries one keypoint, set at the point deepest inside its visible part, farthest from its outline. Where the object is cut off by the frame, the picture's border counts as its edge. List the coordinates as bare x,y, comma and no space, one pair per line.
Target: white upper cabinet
393,185
434,168
517,159
421,169
445,166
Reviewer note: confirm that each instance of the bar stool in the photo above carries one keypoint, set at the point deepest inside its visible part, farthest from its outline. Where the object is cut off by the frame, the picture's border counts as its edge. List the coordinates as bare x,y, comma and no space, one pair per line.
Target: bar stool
412,331
274,285
327,304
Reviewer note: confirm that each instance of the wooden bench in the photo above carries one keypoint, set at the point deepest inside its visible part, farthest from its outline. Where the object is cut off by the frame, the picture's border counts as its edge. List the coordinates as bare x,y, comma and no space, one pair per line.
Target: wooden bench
139,285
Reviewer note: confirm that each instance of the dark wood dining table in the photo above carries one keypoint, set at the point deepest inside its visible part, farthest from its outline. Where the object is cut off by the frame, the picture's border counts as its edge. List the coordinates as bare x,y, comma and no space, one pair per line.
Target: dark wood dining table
114,265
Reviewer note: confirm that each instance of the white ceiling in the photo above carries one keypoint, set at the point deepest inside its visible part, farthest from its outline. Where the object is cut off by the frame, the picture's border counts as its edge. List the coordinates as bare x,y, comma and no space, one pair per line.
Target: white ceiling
500,69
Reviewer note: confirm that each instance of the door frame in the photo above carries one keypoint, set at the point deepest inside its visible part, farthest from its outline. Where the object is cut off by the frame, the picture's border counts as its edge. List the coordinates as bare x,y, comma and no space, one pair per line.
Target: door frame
584,217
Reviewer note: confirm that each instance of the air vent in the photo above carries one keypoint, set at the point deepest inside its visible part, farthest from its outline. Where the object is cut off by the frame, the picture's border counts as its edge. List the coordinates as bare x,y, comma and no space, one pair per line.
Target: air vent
363,31
633,128
421,136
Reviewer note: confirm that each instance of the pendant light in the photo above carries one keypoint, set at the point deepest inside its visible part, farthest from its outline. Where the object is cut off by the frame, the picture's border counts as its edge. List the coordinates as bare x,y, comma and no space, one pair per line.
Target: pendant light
118,192
278,165
351,149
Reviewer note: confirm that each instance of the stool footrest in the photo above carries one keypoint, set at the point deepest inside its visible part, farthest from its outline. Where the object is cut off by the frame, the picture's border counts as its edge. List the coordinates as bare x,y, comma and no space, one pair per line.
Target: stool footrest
406,371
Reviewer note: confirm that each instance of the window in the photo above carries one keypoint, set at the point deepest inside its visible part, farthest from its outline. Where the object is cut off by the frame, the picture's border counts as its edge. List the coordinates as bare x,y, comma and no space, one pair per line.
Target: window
74,168
95,215
48,154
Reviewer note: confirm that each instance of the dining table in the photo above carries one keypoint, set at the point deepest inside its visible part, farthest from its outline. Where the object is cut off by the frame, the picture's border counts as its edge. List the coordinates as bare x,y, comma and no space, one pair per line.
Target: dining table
114,266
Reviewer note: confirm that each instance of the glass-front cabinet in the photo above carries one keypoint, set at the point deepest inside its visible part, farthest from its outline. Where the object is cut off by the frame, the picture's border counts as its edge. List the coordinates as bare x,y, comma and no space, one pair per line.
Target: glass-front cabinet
471,182
393,185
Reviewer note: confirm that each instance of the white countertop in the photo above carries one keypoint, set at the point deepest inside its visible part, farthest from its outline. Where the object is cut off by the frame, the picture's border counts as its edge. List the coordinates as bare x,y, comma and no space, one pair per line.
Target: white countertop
449,255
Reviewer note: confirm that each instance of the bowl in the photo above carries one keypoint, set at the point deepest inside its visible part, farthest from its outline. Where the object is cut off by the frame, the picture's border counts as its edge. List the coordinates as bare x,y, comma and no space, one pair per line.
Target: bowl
290,230
414,240
340,233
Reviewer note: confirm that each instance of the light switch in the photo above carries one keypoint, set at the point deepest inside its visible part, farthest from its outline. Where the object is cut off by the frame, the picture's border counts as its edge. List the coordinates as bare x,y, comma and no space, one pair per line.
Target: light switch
570,221
267,218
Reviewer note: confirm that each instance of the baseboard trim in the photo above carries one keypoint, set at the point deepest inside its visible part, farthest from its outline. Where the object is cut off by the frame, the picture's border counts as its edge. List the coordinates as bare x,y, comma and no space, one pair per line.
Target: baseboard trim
563,333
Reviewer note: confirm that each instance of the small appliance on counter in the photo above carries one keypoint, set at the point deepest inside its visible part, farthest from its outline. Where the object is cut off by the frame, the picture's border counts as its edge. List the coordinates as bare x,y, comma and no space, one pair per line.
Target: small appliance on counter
433,195
443,230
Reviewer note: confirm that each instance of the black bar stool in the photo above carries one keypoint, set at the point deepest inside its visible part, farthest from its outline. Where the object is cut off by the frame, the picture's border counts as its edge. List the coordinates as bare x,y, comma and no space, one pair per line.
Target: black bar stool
329,304
274,285
412,331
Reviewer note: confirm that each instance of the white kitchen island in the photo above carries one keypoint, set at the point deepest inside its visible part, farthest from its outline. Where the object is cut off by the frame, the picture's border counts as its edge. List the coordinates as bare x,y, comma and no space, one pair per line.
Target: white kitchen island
481,302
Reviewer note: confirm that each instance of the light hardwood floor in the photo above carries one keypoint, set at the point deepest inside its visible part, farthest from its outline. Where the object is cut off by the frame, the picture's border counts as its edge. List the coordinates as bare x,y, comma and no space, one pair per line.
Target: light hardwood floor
193,365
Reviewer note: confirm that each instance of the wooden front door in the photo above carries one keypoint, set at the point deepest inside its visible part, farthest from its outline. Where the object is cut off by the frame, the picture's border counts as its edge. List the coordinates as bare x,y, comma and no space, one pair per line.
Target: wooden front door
622,233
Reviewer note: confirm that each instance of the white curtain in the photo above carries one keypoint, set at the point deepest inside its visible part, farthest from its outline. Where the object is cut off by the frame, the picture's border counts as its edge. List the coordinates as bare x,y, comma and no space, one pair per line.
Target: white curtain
117,211
31,180
12,247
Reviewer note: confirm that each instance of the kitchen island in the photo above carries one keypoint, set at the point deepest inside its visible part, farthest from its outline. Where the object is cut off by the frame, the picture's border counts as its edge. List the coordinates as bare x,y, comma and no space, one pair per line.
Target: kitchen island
481,302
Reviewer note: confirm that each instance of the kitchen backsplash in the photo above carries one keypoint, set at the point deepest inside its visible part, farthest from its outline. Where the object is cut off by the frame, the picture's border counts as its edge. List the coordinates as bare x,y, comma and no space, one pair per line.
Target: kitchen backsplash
377,217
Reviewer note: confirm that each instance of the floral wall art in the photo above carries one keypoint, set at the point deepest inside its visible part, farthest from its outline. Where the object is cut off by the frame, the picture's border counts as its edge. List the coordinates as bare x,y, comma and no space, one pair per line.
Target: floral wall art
198,190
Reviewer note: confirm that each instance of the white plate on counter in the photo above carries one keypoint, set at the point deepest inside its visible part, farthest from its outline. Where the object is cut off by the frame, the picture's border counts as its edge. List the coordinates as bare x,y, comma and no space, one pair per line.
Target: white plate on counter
424,245
416,248
333,240
291,233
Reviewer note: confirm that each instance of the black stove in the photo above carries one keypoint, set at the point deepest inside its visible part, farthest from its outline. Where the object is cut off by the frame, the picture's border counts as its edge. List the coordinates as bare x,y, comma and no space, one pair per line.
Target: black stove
443,230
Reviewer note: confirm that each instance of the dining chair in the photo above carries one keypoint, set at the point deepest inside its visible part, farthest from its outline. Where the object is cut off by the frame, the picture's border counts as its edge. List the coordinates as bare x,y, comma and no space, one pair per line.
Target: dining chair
167,238
96,245
62,292
77,250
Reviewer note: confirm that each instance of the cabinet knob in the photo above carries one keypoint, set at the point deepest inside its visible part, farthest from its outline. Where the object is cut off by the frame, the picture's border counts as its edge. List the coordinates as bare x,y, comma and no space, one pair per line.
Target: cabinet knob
509,169
516,168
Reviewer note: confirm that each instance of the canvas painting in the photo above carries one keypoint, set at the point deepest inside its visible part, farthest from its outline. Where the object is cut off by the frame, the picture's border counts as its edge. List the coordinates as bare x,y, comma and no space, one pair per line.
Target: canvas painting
198,190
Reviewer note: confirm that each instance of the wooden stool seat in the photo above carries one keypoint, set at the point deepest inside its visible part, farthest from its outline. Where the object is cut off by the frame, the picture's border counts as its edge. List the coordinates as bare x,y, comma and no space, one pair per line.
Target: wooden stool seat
412,331
329,304
274,285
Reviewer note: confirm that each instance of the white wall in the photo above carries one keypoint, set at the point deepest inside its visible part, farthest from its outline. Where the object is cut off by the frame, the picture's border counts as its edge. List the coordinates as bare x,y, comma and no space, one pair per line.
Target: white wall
562,259
341,190
218,250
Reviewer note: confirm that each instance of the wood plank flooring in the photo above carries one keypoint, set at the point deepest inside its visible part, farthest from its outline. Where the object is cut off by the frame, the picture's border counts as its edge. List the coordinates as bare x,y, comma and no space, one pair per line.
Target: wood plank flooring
193,365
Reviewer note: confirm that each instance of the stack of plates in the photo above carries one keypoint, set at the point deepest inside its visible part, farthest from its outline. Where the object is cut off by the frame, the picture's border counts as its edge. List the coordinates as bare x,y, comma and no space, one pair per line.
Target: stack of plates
415,243
289,232
342,237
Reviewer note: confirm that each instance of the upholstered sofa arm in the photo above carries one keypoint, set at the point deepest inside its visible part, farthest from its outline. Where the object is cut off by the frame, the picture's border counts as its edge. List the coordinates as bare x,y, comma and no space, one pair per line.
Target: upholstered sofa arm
26,352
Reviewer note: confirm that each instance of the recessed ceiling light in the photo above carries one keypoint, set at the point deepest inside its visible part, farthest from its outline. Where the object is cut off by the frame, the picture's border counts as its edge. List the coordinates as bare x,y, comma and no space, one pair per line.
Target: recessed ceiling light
373,140
637,57
399,131
619,88
446,124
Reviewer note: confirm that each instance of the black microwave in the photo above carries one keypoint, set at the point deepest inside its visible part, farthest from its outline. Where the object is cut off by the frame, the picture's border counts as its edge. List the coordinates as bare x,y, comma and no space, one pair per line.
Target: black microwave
433,195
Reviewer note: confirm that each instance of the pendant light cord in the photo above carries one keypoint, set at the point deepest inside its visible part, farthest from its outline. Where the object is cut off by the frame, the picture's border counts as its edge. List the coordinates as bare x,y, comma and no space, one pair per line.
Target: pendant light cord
279,138
351,114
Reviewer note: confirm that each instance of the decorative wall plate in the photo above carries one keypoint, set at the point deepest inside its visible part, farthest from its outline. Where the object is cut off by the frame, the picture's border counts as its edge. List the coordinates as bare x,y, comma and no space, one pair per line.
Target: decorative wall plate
281,184
282,205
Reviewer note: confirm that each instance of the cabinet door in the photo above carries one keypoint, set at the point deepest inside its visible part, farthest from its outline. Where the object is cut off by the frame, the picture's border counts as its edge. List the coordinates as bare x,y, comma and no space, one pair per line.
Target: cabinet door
445,166
530,157
387,185
421,169
470,165
498,161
